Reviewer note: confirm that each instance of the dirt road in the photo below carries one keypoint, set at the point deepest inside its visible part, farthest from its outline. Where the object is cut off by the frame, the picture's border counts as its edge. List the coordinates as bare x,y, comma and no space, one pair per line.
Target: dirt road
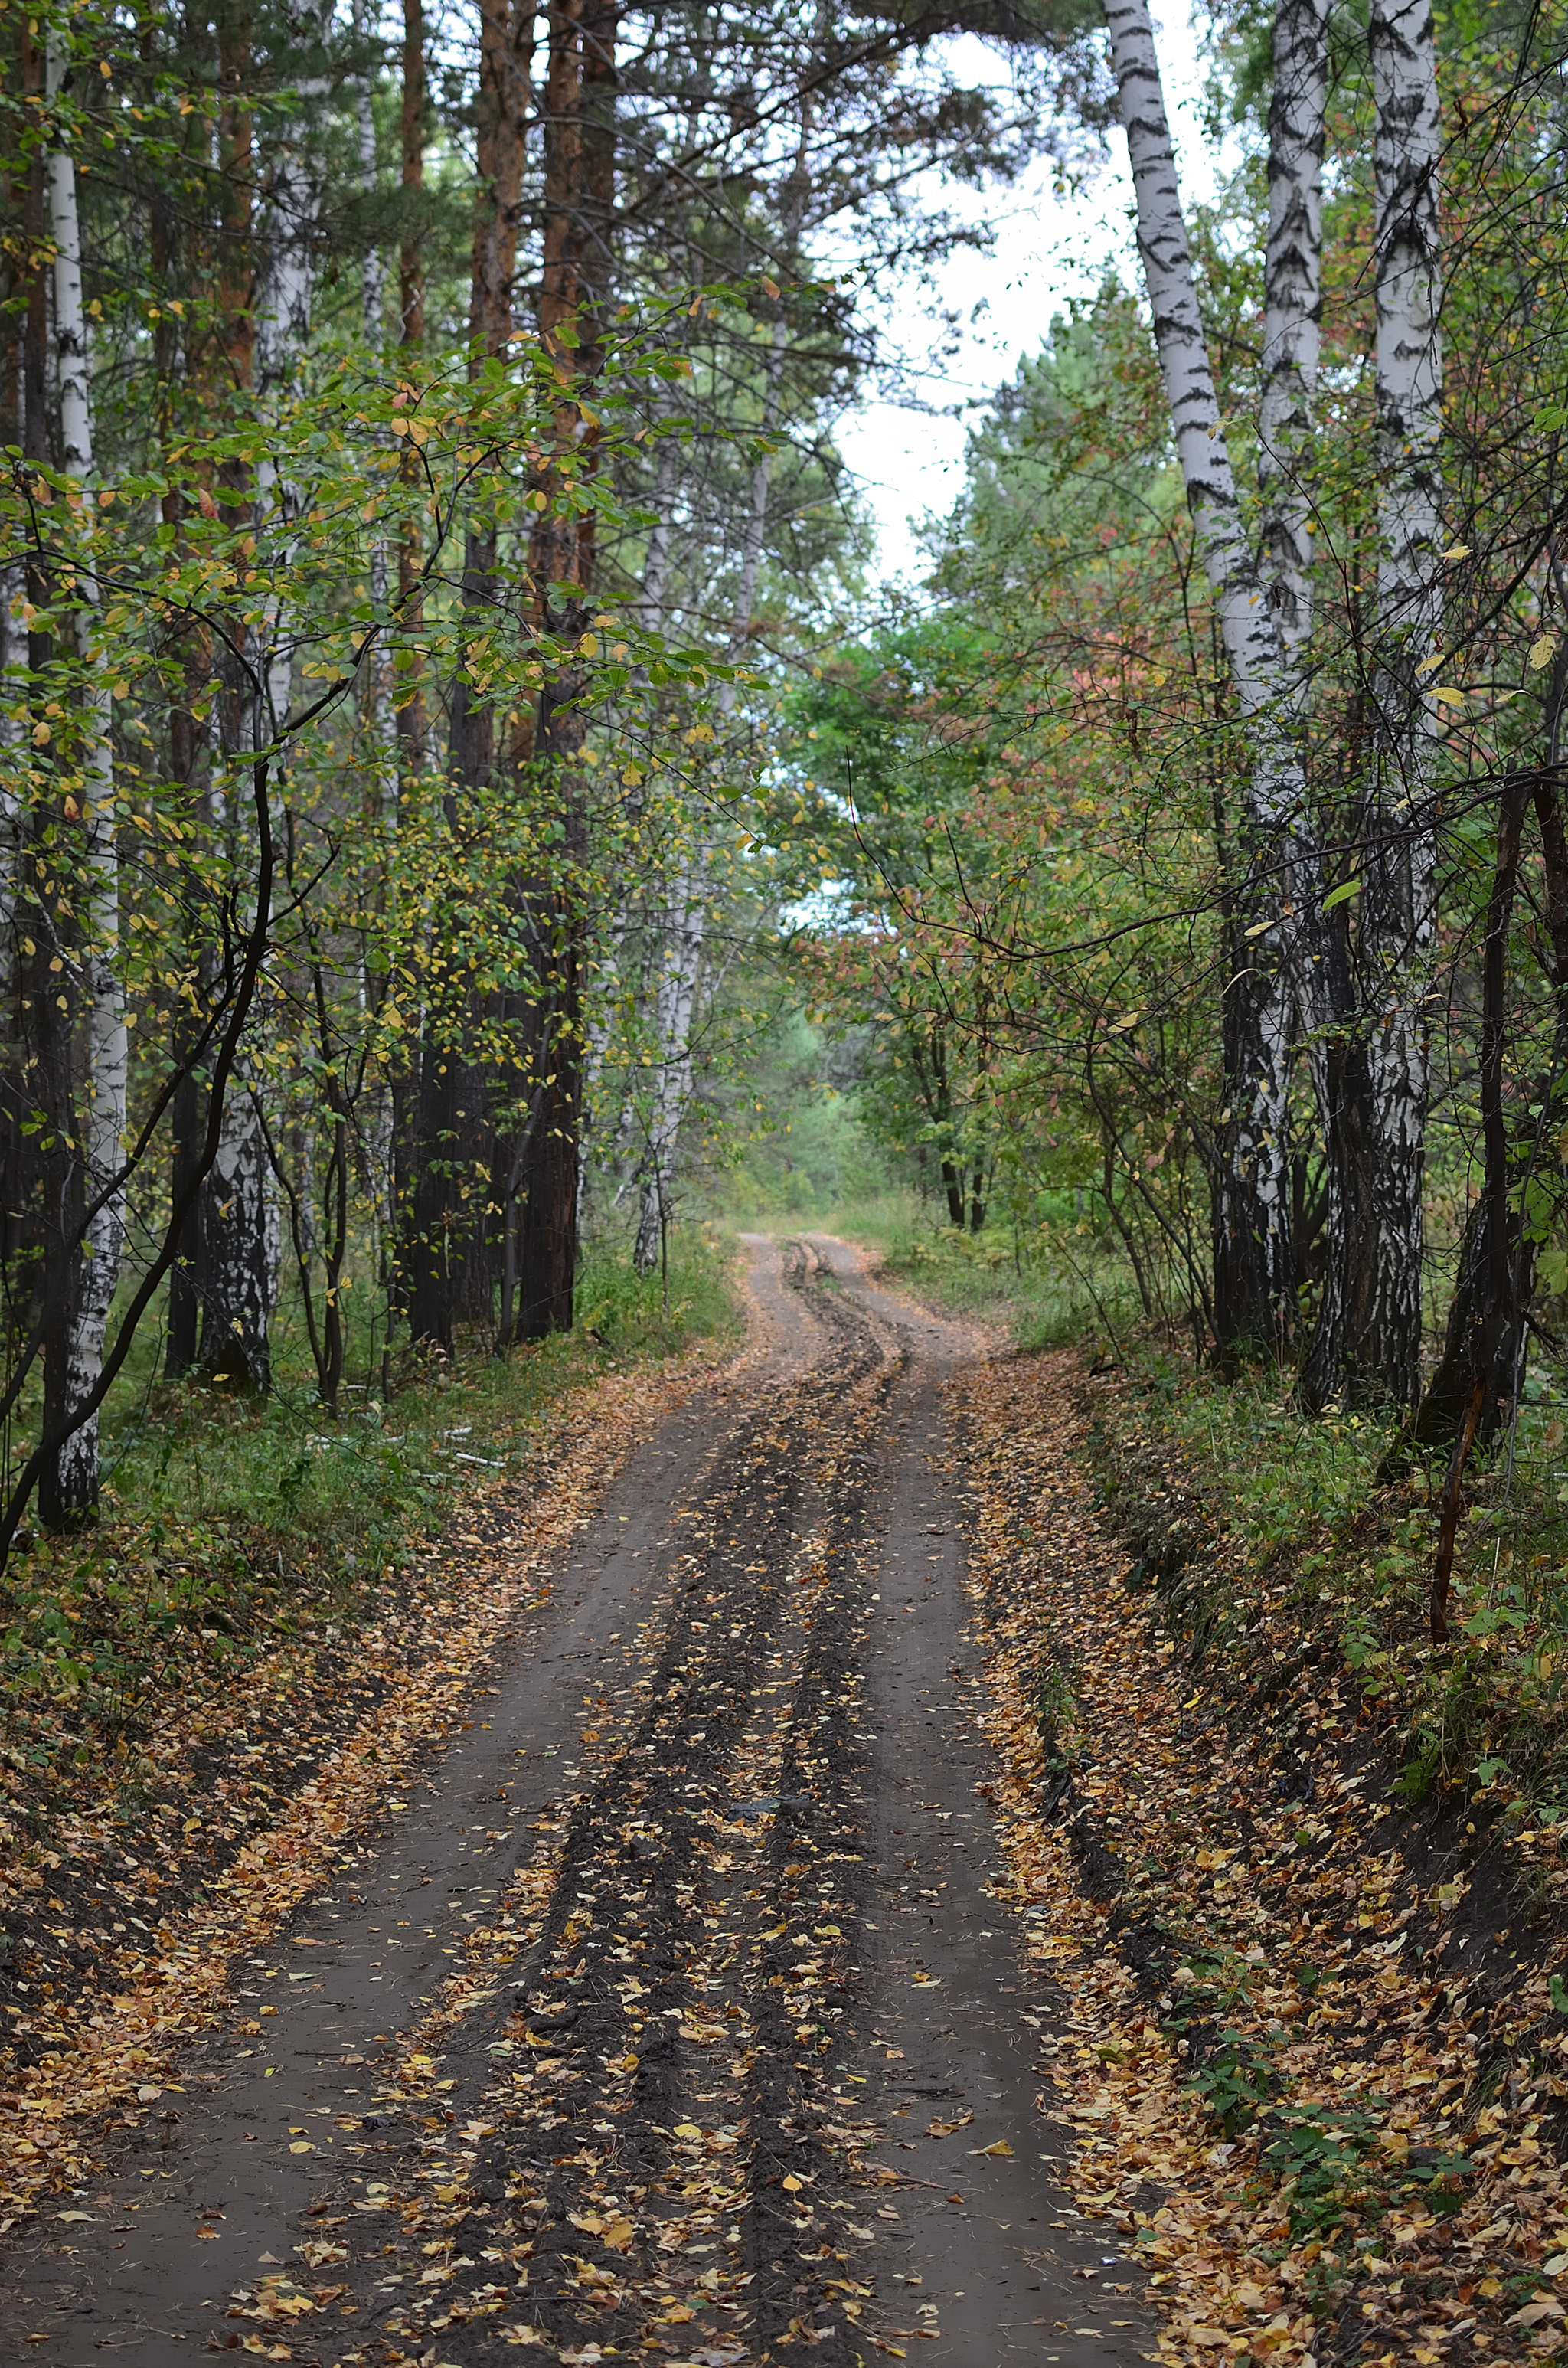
669,2015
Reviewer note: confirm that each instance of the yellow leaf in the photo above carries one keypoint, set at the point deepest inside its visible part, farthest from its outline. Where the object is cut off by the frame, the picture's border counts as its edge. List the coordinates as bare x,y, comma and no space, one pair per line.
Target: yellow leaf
1448,695
302,2145
1542,652
790,2184
1457,550
1001,2146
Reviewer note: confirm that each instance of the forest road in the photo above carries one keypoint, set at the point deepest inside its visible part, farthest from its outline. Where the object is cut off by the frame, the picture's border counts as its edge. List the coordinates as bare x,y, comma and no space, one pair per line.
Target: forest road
740,2016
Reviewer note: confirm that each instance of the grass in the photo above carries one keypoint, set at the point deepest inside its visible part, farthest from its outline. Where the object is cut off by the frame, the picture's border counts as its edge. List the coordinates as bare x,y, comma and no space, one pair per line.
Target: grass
241,1524
1238,1503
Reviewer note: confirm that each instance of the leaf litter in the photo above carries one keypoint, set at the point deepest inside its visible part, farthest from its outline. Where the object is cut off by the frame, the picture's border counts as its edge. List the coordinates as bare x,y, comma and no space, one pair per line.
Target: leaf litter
628,2125
1326,2136
619,2127
258,1794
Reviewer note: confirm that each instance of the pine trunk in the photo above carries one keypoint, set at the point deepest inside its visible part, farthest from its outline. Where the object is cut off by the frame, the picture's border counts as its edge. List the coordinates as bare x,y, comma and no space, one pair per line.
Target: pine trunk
450,1257
579,206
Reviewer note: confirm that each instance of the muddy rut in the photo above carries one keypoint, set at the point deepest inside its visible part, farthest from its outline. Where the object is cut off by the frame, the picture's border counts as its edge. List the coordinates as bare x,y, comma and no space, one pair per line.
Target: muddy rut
670,2014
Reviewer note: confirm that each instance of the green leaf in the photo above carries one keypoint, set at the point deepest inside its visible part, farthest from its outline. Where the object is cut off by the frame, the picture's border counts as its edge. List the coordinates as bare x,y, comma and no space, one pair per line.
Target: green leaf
1553,1269
1341,894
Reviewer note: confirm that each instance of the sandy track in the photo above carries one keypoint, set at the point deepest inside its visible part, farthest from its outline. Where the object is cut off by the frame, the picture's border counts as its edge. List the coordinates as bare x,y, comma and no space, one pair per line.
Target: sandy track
671,2015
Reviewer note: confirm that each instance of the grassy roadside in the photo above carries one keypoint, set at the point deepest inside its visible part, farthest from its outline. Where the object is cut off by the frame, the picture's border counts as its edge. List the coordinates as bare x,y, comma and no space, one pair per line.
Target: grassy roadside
230,1528
1314,2050
1244,1514
208,1697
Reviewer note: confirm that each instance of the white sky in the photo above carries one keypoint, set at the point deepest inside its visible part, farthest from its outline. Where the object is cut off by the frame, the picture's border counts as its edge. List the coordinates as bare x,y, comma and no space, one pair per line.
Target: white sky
1046,249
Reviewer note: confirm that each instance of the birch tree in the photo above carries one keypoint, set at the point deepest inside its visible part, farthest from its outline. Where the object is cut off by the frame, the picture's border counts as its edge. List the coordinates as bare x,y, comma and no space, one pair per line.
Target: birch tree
1368,1334
242,1225
1277,875
74,1354
1292,324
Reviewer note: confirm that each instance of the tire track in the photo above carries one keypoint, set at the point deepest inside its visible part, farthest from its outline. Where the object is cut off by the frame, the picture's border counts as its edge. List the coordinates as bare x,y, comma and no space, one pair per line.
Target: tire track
684,1998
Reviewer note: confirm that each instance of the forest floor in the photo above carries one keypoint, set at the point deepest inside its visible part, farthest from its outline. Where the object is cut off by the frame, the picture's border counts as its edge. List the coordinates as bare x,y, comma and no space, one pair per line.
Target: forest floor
709,2034
839,1919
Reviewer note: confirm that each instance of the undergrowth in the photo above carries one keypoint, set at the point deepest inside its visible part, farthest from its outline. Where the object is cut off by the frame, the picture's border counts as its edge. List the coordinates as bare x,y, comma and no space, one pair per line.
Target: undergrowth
1248,1516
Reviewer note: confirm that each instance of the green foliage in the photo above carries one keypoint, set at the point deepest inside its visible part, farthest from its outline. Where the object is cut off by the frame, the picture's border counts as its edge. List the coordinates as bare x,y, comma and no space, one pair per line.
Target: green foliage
1332,2160
801,1150
1234,2082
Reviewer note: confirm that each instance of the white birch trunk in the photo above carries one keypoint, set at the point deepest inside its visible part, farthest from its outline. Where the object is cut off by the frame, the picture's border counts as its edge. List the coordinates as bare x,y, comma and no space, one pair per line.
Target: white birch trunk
373,284
104,1131
600,1024
242,1246
1367,1343
656,573
1292,316
1397,914
373,292
1254,1188
674,1014
687,919
1251,640
283,327
242,1229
